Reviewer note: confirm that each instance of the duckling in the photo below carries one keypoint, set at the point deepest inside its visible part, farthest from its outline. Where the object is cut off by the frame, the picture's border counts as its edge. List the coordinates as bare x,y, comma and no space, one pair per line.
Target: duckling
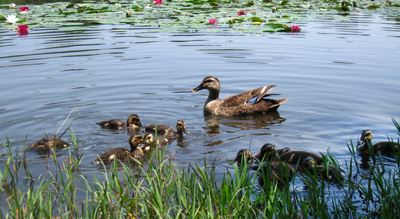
150,142
298,157
47,143
268,150
384,147
166,134
274,168
243,155
122,154
330,174
133,122
275,171
247,103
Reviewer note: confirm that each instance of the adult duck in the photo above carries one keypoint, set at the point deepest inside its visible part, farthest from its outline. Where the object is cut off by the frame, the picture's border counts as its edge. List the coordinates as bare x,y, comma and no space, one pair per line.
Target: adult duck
247,103
122,154
384,147
133,123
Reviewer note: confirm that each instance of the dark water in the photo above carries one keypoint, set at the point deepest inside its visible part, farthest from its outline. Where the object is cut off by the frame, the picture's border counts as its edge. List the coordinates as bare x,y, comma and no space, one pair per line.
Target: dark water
341,78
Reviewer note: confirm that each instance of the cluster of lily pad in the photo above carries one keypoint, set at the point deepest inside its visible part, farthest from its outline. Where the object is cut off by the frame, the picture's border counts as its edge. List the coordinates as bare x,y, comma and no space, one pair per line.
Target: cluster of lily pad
251,16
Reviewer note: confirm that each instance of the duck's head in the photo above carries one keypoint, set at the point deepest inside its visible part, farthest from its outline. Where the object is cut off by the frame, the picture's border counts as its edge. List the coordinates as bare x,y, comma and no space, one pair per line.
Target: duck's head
133,121
135,140
181,127
241,155
148,139
366,135
267,151
210,83
309,162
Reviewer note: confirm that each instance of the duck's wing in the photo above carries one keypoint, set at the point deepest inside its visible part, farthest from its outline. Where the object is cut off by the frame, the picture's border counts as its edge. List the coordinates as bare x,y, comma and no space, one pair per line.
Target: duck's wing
251,96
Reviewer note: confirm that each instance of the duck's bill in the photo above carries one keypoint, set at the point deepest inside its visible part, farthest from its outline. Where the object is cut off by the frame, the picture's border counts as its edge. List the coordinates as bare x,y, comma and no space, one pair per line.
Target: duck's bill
200,87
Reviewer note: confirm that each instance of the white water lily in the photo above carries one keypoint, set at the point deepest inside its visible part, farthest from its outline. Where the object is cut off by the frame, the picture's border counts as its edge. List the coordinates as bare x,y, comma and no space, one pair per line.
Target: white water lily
11,19
12,5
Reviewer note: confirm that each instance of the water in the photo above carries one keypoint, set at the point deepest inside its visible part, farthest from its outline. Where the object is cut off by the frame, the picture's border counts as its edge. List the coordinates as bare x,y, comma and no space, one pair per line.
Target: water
341,78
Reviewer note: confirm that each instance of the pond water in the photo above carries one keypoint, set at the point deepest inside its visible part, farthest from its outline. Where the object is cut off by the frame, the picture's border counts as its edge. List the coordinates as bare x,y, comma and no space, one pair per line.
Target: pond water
341,78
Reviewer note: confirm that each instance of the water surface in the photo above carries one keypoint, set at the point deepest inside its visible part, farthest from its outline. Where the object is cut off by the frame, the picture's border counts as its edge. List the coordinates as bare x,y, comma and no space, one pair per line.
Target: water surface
341,78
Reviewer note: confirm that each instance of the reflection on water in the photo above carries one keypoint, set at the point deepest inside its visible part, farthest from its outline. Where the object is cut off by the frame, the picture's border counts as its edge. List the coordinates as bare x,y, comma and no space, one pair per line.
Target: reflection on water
341,78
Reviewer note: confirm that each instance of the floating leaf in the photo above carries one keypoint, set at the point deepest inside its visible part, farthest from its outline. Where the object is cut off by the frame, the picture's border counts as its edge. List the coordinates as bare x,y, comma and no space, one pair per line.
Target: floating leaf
256,19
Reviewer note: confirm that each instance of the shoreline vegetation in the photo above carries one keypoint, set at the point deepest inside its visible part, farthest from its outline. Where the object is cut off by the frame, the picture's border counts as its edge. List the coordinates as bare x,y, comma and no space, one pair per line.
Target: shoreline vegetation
161,189
171,16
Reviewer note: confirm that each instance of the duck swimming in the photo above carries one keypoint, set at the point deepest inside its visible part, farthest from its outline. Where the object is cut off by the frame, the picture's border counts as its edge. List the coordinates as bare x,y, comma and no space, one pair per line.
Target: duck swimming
247,103
243,155
166,134
133,122
122,154
384,147
47,143
329,173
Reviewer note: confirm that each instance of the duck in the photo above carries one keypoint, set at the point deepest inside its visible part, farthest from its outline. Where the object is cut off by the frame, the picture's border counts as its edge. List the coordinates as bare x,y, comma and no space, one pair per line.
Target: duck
166,134
242,156
47,143
247,103
275,171
329,173
133,122
384,147
272,168
268,150
122,154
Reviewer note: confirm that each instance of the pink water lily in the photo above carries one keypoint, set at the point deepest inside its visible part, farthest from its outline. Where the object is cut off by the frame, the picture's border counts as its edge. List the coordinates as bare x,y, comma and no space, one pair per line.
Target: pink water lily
23,29
23,9
212,21
241,13
295,28
158,2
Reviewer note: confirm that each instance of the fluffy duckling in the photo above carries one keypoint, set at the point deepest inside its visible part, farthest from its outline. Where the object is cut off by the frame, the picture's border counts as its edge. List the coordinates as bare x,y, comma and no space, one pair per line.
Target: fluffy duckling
243,155
47,143
133,122
122,154
275,171
329,174
384,147
269,150
168,130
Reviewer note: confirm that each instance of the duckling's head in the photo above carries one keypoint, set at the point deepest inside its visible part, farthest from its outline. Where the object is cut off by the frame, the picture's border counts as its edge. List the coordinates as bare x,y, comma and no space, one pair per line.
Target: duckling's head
267,150
241,155
133,121
148,139
210,83
309,162
181,127
366,135
135,140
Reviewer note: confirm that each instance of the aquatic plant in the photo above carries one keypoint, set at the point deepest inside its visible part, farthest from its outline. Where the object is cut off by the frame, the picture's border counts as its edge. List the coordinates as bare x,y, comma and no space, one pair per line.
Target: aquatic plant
12,5
23,29
188,16
241,12
23,9
159,188
212,21
11,19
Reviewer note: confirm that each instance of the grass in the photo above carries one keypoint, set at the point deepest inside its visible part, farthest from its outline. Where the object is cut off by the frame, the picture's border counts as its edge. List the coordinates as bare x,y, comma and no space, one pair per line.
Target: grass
161,190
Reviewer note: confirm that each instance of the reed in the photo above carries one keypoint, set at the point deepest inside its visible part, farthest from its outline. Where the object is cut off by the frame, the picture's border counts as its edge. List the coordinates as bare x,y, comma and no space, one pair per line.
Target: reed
162,189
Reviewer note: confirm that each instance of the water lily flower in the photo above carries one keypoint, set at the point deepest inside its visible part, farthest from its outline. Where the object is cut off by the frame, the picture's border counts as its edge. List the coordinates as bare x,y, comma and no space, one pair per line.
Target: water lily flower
295,28
23,29
241,13
23,9
212,21
158,2
11,19
12,5
273,9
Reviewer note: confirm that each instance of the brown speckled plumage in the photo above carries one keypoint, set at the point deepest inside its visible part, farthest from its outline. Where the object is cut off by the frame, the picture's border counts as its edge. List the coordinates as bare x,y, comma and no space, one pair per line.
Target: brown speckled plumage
236,105
133,122
122,154
384,147
331,173
242,155
47,143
